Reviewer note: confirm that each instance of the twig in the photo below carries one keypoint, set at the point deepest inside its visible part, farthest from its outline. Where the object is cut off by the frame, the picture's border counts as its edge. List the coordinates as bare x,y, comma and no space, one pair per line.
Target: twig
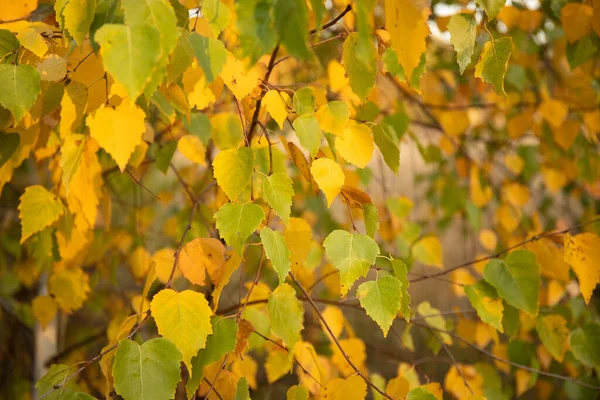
498,254
337,343
445,346
74,346
504,361
212,387
96,358
141,184
286,349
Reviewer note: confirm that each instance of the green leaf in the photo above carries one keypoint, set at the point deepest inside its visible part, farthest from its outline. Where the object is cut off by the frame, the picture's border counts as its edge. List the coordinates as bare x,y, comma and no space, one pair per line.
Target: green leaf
485,301
255,27
217,14
276,251
278,192
371,217
160,15
511,320
420,394
401,272
304,102
147,372
233,170
463,31
287,315
8,43
78,17
493,63
389,149
9,142
211,55
351,254
236,222
297,392
309,133
56,376
182,56
221,342
553,332
20,87
129,54
585,344
580,52
243,391
359,59
291,23
517,279
492,388
184,319
164,156
491,7
381,299
38,208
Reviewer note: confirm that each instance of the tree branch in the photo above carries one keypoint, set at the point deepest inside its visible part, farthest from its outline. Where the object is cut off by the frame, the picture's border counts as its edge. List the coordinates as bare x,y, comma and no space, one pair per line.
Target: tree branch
337,343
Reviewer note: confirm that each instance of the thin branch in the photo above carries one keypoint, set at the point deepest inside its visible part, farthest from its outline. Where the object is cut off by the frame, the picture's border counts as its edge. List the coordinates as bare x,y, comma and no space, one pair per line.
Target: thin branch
139,183
212,385
333,21
508,249
286,349
445,346
513,364
96,358
337,343
67,350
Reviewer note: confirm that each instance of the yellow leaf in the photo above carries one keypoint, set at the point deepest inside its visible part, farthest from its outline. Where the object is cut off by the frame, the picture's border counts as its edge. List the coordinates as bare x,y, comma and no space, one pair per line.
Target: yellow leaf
554,179
454,383
337,76
118,131
435,389
335,319
480,195
52,68
44,309
353,388
488,239
514,163
576,19
298,236
184,319
278,364
434,319
398,387
70,287
523,381
201,96
509,217
16,9
38,208
228,268
199,256
407,19
333,117
355,350
464,277
277,104
85,187
246,367
582,252
163,261
239,82
356,146
554,111
566,134
455,123
516,194
550,258
140,262
192,148
428,251
329,176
